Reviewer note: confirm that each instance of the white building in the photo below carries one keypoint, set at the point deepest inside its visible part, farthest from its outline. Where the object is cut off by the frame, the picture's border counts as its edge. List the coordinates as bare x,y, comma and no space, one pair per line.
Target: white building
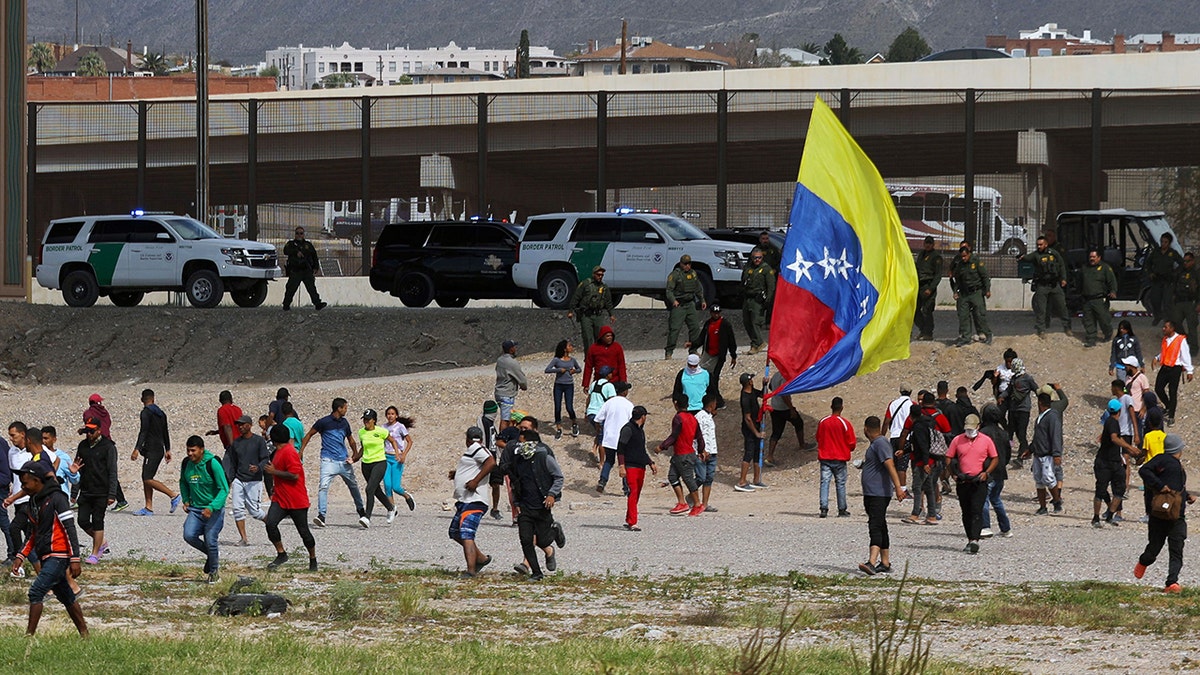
301,67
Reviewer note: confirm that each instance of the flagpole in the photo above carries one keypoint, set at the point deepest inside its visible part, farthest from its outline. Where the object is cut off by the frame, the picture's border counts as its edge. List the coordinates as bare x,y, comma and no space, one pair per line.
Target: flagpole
762,416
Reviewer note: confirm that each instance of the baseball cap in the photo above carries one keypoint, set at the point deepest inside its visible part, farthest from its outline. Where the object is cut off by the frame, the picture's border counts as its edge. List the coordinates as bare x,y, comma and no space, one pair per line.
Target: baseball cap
714,308
89,425
693,360
507,345
971,422
744,378
639,411
604,371
598,268
35,468
1172,445
906,390
245,419
1114,406
1046,389
685,258
622,386
370,413
474,434
1131,361
95,398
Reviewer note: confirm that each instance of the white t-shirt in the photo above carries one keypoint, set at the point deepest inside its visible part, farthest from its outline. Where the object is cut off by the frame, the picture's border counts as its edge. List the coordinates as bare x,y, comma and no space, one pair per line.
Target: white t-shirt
708,430
899,410
1006,376
615,412
469,465
16,459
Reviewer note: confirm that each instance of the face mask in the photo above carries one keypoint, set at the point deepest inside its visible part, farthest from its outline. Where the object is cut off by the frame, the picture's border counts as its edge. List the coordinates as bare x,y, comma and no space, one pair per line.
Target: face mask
972,433
526,449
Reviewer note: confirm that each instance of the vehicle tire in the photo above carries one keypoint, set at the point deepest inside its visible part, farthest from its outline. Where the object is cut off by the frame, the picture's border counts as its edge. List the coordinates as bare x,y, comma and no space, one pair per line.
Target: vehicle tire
616,299
251,296
453,301
356,239
204,289
710,288
537,301
80,289
1014,248
556,289
416,290
126,299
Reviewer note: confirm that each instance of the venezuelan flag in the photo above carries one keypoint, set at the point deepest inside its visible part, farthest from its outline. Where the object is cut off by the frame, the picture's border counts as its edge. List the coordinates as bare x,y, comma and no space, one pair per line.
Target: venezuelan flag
847,284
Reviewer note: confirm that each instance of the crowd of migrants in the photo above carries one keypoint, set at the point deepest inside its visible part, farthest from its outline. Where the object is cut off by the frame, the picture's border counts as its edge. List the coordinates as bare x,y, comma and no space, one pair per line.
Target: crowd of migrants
945,445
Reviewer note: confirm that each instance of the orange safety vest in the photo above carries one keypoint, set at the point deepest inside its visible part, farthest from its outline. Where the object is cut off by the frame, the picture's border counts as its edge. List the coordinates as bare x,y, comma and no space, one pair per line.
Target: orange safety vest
1170,351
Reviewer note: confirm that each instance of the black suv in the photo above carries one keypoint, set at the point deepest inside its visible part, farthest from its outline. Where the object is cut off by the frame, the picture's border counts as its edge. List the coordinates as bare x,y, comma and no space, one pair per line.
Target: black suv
449,262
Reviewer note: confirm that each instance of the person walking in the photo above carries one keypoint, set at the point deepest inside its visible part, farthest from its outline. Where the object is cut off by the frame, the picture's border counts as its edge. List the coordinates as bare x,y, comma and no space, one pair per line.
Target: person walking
684,294
716,341
96,463
289,498
400,429
1109,466
470,502
1018,400
1046,451
972,287
303,263
835,443
1174,361
1162,266
537,483
992,426
1187,301
204,488
1165,475
227,417
564,368
925,436
510,380
605,352
153,445
687,449
612,417
972,459
591,303
1124,345
335,460
96,410
1049,280
758,292
243,464
752,435
1097,285
632,460
691,383
894,419
373,440
706,470
929,276
879,482
783,414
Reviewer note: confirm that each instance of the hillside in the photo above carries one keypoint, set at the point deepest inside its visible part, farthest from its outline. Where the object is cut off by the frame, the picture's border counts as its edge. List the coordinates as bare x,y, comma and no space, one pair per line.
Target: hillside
241,30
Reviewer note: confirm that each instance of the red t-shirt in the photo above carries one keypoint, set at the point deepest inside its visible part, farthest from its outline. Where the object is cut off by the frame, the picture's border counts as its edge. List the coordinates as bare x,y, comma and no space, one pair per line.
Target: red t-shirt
289,494
228,414
713,341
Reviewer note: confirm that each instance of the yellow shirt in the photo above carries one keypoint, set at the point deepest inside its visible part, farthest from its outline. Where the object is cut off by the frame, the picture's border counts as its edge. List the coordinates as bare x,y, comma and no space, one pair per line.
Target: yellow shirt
1153,443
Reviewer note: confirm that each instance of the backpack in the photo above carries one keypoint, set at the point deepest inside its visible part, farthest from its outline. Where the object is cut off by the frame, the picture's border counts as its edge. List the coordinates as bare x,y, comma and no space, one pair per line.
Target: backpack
597,388
937,441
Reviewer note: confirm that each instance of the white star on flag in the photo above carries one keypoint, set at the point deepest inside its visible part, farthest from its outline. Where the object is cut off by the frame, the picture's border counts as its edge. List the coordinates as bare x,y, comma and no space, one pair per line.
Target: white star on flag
844,265
863,304
829,264
801,267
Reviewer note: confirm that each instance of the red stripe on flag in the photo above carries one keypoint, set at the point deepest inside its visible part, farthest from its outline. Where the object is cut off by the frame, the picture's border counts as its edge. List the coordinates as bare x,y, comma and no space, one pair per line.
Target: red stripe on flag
802,330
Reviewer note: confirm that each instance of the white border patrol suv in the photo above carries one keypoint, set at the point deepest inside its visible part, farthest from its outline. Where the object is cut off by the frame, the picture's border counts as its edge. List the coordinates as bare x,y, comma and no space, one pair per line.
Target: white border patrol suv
123,257
638,250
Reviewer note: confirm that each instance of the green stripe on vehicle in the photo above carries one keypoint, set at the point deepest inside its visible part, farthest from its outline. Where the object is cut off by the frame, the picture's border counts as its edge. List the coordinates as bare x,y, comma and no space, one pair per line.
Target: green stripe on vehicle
590,254
103,260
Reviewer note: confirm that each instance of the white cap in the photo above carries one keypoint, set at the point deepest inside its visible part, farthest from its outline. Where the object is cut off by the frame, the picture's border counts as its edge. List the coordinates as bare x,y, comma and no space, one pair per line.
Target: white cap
1131,361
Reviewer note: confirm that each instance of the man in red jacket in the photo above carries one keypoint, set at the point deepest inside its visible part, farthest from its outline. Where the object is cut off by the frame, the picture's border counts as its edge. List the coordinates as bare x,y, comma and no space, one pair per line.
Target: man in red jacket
835,442
605,351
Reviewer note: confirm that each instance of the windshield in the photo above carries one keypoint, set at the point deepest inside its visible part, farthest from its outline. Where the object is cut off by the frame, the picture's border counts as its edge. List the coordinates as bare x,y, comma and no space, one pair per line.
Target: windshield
679,229
190,229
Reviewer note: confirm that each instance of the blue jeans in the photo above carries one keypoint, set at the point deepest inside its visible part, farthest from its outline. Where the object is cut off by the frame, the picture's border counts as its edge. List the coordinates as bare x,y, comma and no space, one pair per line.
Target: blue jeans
52,577
835,469
610,458
331,468
8,542
993,498
202,534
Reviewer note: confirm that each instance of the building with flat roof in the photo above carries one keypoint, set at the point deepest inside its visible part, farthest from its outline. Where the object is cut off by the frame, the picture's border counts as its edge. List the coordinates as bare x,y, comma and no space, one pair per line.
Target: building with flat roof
302,67
1050,40
644,55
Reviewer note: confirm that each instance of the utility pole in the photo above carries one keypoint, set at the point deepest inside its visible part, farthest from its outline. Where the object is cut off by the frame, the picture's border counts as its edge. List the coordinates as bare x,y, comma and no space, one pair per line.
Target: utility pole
624,44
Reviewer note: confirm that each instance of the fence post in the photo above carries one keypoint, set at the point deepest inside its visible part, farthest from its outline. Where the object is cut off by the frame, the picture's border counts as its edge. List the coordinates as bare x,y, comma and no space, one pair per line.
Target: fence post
722,158
14,267
601,150
970,220
364,210
1097,167
143,111
252,170
481,148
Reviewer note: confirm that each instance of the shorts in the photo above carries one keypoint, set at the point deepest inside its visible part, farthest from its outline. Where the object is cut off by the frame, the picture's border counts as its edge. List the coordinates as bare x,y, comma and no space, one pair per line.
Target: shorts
1043,472
751,449
506,404
150,464
494,476
1058,472
466,520
706,470
684,466
902,459
780,419
1109,475
91,512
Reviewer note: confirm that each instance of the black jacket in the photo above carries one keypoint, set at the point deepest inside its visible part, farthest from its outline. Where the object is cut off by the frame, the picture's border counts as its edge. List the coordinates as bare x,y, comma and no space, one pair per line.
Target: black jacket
153,436
545,472
1164,470
631,448
98,475
53,524
726,342
302,257
992,426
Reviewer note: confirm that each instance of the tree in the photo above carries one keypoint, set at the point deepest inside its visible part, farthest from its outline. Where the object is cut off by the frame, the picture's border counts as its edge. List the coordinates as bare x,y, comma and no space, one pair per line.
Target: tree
404,79
745,51
1178,195
155,62
269,71
523,56
91,65
41,57
773,58
840,53
338,80
908,46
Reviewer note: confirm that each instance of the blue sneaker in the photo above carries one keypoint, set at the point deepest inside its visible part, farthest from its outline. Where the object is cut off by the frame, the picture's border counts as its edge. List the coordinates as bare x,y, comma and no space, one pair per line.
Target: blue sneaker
143,512
175,502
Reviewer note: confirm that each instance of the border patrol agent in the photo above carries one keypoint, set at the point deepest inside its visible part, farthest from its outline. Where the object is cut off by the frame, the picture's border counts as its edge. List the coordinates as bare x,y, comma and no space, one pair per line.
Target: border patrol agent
972,286
929,275
684,293
1097,285
758,288
1187,298
1162,266
592,302
1049,279
302,266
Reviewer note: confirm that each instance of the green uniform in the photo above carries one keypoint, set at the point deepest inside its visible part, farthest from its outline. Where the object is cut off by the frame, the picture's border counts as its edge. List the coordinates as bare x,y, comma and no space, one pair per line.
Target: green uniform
684,288
1096,284
1049,300
929,275
1162,268
971,283
592,305
758,291
771,256
1187,295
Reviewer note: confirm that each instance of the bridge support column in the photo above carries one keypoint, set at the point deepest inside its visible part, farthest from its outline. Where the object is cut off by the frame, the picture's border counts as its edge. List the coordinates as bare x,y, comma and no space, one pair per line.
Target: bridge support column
17,230
601,150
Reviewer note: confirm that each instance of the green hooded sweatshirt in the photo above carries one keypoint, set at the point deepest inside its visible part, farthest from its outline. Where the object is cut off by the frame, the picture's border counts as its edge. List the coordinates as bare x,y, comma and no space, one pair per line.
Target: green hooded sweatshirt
203,485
